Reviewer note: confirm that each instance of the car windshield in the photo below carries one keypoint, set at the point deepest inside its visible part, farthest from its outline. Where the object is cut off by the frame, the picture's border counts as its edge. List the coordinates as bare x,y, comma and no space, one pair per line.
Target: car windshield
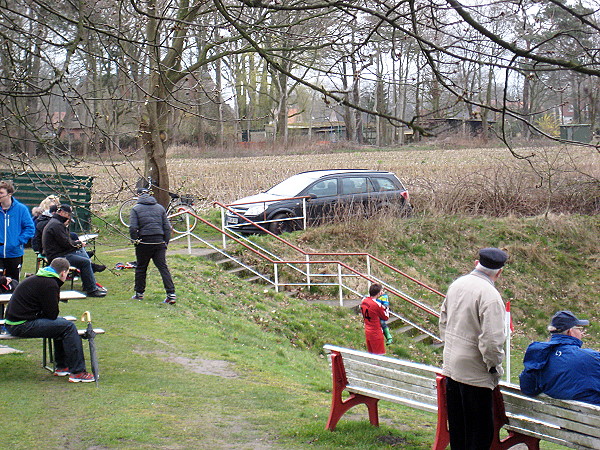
292,186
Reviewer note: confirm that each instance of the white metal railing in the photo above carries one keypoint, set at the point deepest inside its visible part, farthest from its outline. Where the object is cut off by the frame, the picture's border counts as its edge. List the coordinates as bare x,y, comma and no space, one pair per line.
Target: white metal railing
306,277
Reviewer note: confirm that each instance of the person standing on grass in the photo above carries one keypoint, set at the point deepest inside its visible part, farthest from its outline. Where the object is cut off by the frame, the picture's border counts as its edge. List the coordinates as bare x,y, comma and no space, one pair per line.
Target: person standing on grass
32,312
16,229
150,230
373,313
472,327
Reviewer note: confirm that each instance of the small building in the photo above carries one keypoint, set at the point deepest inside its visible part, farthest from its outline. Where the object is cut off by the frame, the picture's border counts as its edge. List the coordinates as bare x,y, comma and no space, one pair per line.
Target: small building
576,132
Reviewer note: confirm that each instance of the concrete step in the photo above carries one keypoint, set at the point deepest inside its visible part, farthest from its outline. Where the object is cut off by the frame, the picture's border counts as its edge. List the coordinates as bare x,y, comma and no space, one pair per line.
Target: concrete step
404,329
421,337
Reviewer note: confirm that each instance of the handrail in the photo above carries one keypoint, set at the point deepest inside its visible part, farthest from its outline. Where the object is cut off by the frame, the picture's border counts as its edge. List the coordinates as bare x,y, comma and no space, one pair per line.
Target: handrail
305,253
267,201
340,264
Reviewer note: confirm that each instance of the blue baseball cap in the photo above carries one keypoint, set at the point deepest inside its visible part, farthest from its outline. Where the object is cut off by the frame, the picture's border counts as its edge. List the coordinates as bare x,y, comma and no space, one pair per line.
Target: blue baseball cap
565,320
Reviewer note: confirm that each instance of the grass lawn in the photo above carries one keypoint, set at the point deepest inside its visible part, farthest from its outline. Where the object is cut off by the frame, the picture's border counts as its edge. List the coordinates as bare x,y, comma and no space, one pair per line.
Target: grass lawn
235,365
200,374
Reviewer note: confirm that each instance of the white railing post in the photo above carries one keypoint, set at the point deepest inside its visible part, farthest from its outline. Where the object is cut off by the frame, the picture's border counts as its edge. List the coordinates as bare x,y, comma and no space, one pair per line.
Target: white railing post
369,266
340,282
308,270
276,276
188,232
304,213
223,227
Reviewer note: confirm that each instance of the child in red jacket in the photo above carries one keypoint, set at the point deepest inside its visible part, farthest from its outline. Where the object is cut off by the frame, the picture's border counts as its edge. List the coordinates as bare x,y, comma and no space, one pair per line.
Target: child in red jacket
373,312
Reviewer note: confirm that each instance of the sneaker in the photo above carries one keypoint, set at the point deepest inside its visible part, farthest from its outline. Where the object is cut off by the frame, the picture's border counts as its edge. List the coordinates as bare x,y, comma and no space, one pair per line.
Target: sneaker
138,296
98,267
96,293
171,299
83,377
62,372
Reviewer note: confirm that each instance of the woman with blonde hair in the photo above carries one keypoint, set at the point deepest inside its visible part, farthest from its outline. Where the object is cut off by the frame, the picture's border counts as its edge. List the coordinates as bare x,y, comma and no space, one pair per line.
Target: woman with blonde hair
45,205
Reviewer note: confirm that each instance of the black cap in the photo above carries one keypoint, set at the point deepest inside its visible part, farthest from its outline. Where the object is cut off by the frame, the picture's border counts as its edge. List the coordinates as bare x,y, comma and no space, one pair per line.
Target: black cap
65,208
564,320
492,258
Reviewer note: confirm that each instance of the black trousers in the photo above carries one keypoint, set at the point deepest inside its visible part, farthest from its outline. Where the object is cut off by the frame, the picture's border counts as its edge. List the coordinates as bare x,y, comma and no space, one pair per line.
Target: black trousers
12,267
158,254
470,416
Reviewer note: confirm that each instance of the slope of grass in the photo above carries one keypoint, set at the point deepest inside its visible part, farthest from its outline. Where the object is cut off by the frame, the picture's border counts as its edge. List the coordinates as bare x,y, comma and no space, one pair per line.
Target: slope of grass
235,365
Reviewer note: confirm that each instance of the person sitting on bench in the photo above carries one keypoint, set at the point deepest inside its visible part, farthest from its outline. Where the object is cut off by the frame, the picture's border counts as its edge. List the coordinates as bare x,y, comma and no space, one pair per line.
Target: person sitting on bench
559,367
32,312
56,242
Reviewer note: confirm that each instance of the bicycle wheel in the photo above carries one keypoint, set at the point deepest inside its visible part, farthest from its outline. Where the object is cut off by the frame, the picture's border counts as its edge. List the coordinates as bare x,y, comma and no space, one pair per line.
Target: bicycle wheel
180,223
125,210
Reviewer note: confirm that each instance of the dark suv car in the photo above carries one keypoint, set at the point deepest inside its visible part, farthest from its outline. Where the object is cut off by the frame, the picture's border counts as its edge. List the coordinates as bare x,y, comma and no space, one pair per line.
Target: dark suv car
328,194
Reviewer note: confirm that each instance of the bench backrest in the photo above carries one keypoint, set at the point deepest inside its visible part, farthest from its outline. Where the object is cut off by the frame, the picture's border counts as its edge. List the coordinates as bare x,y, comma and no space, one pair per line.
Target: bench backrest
568,423
390,379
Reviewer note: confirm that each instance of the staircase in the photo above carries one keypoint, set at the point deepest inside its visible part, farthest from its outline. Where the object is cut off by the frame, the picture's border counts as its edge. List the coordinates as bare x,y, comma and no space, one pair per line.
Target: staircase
418,322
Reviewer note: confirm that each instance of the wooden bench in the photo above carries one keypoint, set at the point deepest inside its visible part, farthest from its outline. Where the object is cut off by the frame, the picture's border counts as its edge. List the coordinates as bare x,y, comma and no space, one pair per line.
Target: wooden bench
48,362
370,378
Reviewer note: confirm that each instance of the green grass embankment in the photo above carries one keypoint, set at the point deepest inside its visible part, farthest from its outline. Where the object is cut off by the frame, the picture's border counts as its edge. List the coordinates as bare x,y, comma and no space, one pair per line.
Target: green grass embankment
234,365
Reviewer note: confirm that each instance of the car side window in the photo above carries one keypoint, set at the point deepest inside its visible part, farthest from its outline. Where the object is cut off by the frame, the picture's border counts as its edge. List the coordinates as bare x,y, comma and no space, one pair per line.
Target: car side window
384,184
325,188
355,185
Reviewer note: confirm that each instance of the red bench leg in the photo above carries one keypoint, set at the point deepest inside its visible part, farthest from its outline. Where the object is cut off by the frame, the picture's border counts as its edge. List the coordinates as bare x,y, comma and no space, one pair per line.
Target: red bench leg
442,435
513,438
339,406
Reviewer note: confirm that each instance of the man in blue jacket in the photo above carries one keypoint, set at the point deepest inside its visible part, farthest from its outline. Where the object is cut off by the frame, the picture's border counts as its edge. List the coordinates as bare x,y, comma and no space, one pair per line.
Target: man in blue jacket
16,228
560,368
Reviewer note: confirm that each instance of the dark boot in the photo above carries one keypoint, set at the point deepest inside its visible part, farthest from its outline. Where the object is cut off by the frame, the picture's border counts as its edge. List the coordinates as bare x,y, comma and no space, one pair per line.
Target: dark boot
98,267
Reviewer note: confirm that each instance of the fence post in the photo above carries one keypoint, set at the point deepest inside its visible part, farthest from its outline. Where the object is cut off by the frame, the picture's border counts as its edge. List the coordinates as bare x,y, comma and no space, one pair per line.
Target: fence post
304,213
308,270
223,227
188,232
369,265
276,276
340,282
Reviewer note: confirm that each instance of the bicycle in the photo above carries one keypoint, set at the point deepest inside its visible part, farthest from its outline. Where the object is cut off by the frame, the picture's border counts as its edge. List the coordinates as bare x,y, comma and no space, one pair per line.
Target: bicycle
183,223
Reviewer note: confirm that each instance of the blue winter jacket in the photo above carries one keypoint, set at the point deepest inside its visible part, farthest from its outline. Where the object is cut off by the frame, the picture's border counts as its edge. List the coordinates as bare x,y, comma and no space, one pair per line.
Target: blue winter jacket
16,228
562,369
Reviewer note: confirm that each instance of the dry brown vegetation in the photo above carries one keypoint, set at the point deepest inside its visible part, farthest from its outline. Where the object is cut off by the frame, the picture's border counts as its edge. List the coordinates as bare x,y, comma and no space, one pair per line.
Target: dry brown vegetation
472,181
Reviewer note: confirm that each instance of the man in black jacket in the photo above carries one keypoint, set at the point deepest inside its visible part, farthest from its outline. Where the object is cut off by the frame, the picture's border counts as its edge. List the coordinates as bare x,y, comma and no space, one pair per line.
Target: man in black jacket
150,231
33,312
57,242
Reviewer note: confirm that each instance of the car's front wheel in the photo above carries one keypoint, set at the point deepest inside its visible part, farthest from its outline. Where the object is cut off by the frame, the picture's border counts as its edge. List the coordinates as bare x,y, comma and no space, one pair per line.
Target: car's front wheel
281,225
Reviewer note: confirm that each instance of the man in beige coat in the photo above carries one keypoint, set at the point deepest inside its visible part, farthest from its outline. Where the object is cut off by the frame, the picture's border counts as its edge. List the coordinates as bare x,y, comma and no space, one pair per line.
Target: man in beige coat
472,326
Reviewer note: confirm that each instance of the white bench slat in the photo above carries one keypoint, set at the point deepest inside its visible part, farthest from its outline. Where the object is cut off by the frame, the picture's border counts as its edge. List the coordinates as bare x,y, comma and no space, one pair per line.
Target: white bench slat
394,399
398,384
420,377
541,430
551,419
81,332
577,416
